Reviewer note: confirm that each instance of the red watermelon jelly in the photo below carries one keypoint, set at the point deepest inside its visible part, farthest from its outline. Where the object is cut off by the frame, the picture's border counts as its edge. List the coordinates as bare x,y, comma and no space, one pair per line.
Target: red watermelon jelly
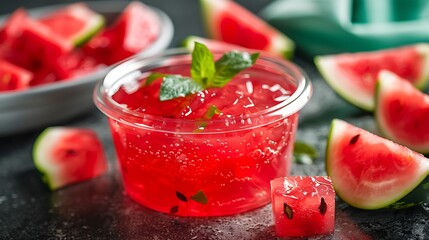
207,154
303,206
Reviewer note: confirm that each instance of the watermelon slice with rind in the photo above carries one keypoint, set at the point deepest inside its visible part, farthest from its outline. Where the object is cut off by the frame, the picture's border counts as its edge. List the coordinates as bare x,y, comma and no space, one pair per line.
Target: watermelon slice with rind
402,112
66,155
75,23
230,22
370,172
354,75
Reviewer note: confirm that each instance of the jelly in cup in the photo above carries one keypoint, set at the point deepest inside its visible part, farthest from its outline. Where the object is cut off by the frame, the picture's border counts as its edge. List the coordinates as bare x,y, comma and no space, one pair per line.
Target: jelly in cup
174,159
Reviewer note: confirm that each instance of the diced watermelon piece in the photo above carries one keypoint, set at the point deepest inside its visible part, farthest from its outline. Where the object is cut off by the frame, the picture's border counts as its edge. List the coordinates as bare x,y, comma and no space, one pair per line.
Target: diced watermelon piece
13,77
45,45
68,155
135,29
74,65
13,26
303,206
75,23
43,75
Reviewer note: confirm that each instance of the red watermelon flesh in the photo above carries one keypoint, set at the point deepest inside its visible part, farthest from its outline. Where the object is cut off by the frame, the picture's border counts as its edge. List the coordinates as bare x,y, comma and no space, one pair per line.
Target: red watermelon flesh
43,75
75,64
75,23
303,206
369,65
134,30
402,112
13,77
44,50
100,47
13,26
11,46
45,46
371,172
68,155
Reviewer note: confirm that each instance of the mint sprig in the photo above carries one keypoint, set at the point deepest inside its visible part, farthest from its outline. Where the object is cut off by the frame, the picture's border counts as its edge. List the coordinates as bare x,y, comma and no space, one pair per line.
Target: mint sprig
205,72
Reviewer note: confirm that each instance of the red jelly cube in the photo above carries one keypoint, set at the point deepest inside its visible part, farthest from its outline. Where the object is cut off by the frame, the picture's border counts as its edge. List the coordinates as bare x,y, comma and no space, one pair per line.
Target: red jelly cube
303,206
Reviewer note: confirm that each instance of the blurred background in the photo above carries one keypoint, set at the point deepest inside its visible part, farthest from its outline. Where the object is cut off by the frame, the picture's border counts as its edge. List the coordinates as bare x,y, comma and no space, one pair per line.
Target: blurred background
184,21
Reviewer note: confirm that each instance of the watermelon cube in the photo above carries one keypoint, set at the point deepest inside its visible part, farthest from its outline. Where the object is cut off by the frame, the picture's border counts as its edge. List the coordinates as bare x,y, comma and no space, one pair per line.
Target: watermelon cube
303,206
13,25
134,30
13,77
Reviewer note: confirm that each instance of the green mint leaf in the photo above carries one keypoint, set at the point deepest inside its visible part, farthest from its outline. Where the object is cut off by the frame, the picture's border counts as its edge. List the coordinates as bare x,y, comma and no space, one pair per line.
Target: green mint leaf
205,73
174,86
203,65
199,197
213,110
229,65
152,77
304,153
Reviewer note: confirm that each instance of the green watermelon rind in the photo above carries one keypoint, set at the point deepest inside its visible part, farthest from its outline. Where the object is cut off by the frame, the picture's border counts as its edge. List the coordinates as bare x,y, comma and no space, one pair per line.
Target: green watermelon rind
381,124
327,67
416,194
279,44
38,159
188,42
94,28
94,22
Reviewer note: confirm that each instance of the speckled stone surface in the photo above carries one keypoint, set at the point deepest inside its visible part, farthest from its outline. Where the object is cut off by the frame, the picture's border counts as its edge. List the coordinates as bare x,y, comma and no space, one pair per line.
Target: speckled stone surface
99,209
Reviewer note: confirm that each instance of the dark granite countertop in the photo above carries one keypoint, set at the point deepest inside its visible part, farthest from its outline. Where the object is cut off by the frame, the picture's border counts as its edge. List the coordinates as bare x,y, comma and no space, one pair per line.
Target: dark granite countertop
99,209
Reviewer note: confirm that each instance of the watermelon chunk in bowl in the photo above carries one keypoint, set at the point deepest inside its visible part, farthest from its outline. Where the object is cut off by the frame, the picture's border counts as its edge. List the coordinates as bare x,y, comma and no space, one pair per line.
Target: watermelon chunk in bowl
13,78
54,103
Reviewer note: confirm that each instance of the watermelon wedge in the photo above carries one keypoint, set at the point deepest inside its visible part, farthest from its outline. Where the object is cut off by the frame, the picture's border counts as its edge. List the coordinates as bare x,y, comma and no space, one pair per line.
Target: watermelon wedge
13,78
75,23
353,75
228,21
370,172
402,112
68,155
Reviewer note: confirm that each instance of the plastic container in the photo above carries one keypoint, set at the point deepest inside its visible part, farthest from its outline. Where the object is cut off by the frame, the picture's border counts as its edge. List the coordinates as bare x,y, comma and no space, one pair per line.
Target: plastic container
172,166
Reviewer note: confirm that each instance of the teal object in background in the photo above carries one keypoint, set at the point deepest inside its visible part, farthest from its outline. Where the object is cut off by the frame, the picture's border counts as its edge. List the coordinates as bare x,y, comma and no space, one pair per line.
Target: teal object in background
333,26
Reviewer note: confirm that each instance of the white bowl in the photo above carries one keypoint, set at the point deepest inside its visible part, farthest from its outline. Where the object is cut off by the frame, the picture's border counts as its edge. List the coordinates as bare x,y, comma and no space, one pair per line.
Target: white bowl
54,103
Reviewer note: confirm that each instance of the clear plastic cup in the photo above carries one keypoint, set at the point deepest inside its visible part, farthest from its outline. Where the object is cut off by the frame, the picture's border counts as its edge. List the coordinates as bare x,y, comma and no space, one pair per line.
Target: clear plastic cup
172,166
